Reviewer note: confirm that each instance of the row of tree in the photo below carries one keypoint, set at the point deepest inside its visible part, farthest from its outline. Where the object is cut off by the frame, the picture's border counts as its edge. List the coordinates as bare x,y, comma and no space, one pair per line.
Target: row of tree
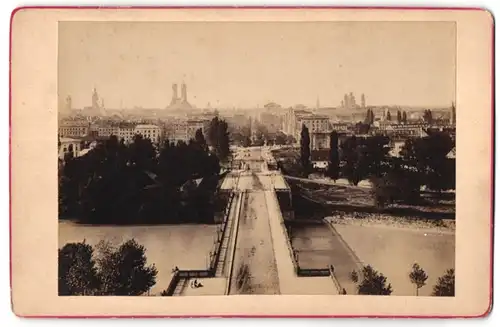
123,270
374,283
422,161
136,183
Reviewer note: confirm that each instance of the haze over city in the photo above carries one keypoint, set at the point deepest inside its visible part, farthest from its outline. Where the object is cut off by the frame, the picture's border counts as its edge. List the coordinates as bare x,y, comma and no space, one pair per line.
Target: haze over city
249,64
262,158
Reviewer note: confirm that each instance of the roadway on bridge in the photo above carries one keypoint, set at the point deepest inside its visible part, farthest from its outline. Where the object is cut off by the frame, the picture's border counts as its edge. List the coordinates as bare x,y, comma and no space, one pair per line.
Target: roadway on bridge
254,268
262,262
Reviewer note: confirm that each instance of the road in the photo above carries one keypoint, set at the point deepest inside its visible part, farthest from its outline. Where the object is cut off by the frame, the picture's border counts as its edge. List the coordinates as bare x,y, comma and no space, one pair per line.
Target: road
262,261
254,267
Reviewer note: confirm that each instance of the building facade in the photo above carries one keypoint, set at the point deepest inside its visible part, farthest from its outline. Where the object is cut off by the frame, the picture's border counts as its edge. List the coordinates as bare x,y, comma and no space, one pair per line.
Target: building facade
73,128
319,130
151,132
126,132
67,145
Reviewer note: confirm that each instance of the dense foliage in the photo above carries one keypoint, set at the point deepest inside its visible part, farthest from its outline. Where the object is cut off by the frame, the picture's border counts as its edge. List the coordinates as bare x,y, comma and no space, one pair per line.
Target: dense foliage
110,270
334,159
445,285
373,283
218,137
137,183
305,150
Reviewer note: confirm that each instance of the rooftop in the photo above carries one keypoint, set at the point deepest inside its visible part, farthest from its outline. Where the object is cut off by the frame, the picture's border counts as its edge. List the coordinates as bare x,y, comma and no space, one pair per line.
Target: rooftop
68,140
314,116
146,126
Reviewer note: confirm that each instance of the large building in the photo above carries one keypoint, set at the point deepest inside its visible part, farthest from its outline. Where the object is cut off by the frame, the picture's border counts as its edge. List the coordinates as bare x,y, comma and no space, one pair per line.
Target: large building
319,127
108,130
74,128
152,132
401,130
192,125
185,130
291,120
126,132
319,131
272,121
349,102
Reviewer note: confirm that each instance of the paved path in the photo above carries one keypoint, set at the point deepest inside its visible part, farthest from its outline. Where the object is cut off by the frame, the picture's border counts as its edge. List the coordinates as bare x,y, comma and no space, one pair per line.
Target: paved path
254,267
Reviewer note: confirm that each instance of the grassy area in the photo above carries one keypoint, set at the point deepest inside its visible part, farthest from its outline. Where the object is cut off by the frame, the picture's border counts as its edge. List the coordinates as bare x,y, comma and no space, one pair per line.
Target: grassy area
313,201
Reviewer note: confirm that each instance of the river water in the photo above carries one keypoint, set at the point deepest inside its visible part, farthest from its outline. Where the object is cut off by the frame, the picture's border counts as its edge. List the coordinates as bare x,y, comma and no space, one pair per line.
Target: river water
167,246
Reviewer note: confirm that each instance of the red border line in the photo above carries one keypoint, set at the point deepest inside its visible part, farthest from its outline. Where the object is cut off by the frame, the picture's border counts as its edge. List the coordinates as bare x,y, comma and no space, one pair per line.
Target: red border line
492,194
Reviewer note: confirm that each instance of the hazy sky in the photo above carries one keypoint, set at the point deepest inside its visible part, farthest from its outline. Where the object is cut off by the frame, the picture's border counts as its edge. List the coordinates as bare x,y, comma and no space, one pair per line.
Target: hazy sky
245,64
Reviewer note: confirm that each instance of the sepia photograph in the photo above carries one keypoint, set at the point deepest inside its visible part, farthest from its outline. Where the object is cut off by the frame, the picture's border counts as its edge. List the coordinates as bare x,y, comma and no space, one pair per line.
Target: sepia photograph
207,158
222,159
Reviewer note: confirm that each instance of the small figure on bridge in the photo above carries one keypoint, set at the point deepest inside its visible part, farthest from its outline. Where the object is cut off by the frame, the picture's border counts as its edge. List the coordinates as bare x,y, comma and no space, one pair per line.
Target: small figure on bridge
195,284
344,292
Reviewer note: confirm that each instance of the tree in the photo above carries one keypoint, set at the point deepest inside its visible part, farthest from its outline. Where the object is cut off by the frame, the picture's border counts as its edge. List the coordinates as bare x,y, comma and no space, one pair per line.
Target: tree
404,118
428,116
361,128
124,271
200,139
445,285
109,271
218,137
364,157
368,118
333,163
354,277
305,150
280,138
77,271
373,283
428,156
418,277
141,151
290,140
400,118
223,141
259,139
397,185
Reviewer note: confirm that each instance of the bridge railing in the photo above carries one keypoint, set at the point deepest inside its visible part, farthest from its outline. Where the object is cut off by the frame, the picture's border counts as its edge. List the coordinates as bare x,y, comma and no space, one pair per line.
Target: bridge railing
288,243
335,280
218,245
195,273
301,272
173,284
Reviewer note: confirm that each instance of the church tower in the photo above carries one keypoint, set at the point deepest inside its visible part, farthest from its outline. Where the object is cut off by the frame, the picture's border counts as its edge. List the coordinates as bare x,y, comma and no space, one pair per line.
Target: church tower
95,99
183,93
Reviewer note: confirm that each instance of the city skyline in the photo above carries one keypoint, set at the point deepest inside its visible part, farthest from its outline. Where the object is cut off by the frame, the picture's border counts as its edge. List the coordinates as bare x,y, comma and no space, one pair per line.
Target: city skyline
286,63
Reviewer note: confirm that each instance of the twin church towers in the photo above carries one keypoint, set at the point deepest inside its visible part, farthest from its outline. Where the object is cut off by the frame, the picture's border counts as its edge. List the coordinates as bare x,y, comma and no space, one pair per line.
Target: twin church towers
179,102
